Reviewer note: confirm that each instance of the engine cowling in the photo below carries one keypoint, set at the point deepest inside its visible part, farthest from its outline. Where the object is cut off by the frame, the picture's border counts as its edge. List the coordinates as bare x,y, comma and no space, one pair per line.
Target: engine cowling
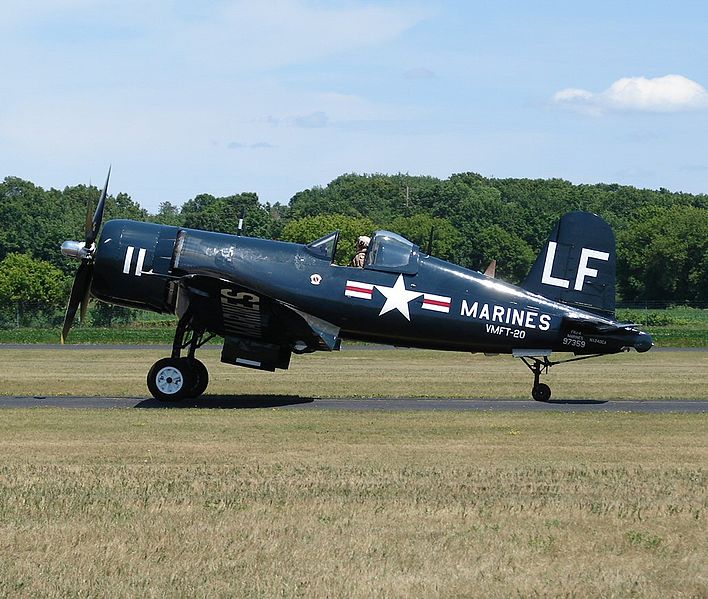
132,261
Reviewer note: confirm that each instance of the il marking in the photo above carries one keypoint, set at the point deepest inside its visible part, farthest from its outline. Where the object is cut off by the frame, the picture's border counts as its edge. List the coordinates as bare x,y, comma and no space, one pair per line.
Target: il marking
129,259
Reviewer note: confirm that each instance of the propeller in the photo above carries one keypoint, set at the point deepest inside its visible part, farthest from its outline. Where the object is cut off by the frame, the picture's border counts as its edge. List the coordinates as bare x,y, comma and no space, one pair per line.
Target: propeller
81,288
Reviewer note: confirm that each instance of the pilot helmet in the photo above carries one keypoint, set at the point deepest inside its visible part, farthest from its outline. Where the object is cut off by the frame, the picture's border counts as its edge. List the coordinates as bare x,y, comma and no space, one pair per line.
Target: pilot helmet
363,241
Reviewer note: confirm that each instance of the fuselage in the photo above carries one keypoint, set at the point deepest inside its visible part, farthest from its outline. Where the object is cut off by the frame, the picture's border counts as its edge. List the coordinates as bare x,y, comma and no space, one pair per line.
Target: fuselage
429,303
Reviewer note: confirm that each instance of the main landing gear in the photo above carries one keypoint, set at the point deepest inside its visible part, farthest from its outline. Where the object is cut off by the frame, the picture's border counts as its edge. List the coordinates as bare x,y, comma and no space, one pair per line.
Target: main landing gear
541,391
176,377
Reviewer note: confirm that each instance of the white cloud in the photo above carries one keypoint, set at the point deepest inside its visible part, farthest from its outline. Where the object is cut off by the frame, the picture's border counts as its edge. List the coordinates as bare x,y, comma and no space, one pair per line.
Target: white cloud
670,93
572,94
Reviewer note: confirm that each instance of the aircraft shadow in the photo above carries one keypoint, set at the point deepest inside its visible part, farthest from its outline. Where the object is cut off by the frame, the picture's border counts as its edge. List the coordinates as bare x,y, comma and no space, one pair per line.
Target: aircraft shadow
578,402
228,402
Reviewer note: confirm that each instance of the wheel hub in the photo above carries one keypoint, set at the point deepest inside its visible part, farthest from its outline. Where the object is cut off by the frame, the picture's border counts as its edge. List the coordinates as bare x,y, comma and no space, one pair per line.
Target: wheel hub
169,380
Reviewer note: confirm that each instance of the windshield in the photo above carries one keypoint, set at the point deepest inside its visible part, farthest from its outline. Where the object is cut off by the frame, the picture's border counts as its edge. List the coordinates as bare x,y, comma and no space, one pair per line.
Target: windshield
324,247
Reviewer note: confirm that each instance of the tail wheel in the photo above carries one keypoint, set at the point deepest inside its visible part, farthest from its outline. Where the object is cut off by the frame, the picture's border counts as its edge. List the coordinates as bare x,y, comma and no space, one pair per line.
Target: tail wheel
170,379
199,374
541,392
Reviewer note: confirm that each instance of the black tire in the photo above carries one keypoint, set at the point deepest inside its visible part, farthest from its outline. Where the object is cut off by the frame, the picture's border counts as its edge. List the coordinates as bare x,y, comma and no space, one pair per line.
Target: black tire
541,392
169,380
200,376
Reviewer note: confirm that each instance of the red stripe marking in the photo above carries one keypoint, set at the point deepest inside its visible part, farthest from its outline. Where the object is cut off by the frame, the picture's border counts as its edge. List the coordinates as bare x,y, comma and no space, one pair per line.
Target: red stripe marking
437,303
360,289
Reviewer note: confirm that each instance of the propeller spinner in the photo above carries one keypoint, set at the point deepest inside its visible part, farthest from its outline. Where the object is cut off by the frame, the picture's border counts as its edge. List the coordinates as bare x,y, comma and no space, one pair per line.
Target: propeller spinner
81,288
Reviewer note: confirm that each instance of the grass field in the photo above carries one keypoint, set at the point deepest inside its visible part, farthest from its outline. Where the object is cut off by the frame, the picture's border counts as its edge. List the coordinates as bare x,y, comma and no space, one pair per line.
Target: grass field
368,373
265,503
672,327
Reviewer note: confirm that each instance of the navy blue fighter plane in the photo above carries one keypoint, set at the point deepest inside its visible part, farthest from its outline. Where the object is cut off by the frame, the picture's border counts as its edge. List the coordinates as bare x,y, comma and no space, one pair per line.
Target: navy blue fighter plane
269,299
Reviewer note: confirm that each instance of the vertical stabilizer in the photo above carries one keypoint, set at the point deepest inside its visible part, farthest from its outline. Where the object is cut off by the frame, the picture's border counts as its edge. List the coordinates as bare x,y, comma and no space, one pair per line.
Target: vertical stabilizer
577,265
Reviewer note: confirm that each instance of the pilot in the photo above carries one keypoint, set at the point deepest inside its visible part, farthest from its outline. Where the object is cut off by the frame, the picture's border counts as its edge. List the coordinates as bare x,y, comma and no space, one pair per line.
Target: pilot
362,244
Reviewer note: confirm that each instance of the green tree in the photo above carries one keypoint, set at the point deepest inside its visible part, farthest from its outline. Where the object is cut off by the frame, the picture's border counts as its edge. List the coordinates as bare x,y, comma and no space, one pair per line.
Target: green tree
378,197
663,255
447,240
33,220
30,286
38,221
222,214
168,214
657,230
108,315
513,255
279,217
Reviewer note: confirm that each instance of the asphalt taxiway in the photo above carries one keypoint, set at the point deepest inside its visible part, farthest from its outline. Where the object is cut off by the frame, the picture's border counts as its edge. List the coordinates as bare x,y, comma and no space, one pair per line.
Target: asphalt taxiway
235,402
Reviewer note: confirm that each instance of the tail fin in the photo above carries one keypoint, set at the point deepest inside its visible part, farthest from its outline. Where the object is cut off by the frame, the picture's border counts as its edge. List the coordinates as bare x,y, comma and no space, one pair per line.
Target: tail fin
577,265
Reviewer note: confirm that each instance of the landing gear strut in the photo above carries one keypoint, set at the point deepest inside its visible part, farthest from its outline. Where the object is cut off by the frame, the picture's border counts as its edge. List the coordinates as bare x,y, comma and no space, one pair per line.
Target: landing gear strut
541,391
177,377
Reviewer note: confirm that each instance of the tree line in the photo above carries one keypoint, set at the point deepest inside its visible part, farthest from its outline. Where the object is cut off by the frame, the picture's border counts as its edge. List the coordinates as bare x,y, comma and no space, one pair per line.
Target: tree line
662,236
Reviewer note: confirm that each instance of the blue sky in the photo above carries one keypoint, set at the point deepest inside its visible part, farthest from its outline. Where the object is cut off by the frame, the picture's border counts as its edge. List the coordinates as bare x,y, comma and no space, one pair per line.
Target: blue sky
275,97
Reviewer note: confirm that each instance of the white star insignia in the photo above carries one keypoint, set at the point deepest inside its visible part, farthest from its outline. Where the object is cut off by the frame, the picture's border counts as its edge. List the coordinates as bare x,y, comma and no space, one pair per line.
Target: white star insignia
397,297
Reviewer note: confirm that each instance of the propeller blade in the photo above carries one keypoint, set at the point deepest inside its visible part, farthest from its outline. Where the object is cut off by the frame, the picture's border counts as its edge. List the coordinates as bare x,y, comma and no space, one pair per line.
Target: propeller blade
98,215
86,299
82,283
88,227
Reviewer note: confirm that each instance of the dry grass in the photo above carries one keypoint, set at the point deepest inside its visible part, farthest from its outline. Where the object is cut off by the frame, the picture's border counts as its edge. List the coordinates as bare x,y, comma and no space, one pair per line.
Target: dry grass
400,373
323,504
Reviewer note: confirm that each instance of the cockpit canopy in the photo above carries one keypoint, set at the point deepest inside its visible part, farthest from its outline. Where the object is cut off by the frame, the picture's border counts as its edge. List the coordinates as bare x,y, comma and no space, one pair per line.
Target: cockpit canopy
392,253
387,252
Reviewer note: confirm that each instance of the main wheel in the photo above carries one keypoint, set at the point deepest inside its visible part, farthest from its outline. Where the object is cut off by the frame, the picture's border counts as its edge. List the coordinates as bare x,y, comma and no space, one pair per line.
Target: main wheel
170,379
200,376
541,392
